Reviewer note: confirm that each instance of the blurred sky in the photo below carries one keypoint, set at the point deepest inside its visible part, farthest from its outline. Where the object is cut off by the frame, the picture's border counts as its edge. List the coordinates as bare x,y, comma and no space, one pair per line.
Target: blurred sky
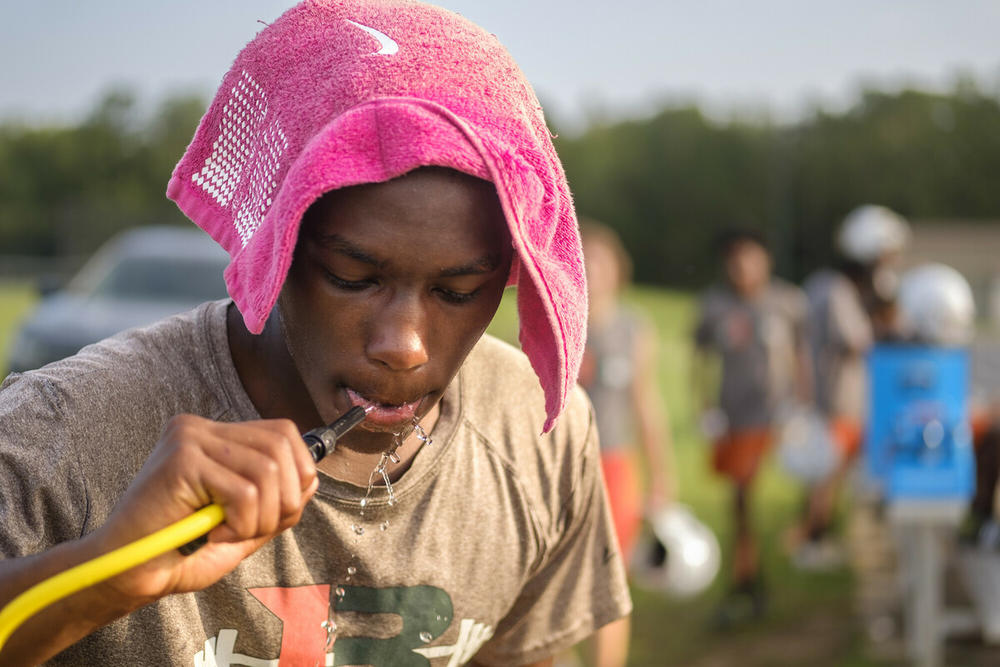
584,57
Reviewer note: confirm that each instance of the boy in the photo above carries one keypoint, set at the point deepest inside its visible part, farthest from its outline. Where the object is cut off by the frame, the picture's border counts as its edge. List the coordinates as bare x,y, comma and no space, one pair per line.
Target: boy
754,322
619,374
379,171
850,307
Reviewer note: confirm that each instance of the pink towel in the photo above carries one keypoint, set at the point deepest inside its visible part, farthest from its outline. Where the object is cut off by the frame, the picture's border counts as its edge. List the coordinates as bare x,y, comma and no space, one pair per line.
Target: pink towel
337,93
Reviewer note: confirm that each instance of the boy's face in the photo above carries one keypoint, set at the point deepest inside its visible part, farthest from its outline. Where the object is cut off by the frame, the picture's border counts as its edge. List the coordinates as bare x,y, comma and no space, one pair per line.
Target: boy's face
391,286
603,269
748,267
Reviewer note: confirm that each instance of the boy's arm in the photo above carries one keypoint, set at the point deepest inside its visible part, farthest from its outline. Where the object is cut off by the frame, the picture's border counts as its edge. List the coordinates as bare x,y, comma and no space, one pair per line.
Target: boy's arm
64,622
804,380
260,473
653,421
851,327
702,357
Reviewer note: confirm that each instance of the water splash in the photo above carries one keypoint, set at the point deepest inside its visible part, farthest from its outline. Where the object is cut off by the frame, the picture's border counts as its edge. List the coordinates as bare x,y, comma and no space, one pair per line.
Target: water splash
421,433
380,471
388,486
381,468
330,624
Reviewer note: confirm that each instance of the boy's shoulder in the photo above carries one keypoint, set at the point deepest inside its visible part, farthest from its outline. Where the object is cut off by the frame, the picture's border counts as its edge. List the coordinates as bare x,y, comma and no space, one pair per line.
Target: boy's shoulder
717,298
787,296
86,424
503,400
169,362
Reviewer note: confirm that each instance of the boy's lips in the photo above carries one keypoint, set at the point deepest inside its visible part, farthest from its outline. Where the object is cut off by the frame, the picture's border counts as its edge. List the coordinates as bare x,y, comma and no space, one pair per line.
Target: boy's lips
384,414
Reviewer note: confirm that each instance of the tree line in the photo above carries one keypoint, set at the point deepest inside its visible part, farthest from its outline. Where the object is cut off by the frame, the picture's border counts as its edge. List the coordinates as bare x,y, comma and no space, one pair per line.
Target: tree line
669,182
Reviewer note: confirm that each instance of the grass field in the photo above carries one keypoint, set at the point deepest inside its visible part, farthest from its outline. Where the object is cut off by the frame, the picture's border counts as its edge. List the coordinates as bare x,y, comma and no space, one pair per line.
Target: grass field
15,300
810,620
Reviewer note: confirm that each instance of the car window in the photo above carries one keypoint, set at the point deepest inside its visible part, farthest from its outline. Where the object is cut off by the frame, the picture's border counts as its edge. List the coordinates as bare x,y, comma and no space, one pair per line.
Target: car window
160,279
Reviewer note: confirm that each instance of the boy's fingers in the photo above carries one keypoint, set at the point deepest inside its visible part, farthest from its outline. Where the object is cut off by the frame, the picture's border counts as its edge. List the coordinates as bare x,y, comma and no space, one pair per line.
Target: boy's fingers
304,464
280,442
239,498
262,472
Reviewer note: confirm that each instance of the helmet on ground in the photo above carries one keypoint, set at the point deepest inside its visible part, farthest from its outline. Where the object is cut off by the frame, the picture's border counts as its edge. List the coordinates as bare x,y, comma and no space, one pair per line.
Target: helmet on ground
870,232
937,305
679,555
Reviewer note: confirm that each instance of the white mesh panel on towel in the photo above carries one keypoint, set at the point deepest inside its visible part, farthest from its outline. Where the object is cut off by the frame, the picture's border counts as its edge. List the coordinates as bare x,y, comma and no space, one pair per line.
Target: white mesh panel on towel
249,144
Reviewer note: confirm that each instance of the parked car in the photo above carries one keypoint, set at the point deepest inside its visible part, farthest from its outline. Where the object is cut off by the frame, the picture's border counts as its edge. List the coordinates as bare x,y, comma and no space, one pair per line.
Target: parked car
139,276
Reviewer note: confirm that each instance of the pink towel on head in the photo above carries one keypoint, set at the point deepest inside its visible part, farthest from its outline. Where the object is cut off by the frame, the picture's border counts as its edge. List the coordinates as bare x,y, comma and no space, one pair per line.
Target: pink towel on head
337,93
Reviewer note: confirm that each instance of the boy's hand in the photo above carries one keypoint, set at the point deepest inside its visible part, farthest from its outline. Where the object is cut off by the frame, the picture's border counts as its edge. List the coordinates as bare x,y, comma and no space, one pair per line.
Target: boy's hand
260,472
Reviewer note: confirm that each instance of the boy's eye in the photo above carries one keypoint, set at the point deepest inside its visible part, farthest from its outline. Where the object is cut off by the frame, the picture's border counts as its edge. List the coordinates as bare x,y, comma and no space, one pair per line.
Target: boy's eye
351,285
451,296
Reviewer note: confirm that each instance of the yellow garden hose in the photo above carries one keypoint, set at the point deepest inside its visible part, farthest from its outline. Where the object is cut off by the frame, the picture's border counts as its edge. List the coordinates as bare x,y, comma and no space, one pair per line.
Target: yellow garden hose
180,535
104,567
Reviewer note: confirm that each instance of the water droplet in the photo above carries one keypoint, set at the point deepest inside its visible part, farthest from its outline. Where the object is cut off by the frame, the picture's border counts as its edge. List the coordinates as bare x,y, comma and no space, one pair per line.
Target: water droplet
388,488
358,530
380,471
426,636
330,625
385,524
352,570
421,433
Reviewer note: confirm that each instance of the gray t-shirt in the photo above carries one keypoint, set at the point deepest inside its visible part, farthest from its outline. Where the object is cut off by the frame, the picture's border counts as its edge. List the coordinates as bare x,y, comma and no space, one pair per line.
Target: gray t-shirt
608,374
758,342
500,546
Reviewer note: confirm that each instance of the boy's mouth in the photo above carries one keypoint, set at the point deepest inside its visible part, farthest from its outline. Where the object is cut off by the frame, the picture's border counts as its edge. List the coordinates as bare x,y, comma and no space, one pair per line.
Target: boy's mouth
385,414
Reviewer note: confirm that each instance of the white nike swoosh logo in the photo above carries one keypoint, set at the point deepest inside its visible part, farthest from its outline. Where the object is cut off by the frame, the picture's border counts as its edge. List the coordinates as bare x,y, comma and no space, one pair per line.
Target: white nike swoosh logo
389,45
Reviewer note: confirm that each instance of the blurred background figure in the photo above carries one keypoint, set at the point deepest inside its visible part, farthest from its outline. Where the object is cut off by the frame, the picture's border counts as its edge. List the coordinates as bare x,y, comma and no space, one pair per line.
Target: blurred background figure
850,307
619,374
753,323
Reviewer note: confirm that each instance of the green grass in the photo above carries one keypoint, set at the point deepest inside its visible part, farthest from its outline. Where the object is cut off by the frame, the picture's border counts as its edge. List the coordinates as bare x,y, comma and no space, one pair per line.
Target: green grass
16,298
676,632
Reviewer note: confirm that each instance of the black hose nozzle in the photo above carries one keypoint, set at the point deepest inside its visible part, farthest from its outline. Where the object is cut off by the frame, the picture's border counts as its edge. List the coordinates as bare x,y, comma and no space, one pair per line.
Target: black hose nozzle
321,441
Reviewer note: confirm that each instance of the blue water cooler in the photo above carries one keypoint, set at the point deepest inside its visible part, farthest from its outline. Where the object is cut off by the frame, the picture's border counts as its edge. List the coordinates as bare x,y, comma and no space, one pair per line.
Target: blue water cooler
918,450
918,444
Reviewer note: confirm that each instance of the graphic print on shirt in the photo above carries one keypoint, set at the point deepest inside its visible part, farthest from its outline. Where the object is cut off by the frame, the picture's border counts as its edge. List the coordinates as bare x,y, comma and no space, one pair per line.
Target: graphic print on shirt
425,611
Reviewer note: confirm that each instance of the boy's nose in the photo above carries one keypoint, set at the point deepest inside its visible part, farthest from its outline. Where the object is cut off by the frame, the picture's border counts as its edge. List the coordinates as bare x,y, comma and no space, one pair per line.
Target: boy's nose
398,337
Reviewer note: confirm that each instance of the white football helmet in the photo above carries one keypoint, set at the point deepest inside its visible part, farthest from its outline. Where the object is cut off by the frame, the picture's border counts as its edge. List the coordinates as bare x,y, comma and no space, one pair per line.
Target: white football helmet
937,305
870,232
679,555
805,446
